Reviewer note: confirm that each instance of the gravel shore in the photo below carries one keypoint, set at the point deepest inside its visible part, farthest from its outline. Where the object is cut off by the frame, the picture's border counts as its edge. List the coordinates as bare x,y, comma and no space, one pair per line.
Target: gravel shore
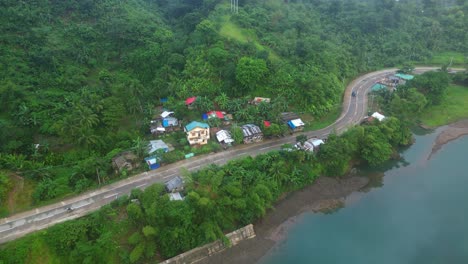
325,194
449,133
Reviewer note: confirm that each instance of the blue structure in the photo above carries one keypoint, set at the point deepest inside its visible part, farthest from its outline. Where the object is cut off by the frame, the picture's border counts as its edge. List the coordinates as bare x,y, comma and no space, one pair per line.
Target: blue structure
153,162
195,124
163,100
204,116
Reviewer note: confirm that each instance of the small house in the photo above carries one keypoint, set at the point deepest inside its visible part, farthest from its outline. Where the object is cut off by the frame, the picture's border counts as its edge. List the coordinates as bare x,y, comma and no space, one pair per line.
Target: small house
166,114
312,144
155,145
405,77
125,161
378,116
252,133
258,100
153,162
224,136
175,184
176,196
296,124
170,122
287,116
189,101
198,133
215,114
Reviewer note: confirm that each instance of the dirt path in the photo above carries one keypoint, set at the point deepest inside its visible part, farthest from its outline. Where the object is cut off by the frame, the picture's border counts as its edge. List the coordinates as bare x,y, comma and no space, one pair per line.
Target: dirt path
18,186
325,194
449,133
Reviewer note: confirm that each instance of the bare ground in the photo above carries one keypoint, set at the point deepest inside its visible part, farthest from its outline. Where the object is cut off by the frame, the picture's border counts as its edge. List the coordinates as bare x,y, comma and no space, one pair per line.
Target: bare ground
449,133
324,195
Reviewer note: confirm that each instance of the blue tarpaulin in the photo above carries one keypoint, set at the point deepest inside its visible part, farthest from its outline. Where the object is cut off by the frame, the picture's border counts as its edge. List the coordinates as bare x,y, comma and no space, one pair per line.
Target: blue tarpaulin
205,116
163,100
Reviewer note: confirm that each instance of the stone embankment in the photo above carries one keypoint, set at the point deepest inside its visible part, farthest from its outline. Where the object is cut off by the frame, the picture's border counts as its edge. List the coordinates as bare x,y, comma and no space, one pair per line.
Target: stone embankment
200,253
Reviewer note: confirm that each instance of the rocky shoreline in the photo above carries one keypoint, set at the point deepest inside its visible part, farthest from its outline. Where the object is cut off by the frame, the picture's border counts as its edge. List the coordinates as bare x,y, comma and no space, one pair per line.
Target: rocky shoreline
326,194
449,133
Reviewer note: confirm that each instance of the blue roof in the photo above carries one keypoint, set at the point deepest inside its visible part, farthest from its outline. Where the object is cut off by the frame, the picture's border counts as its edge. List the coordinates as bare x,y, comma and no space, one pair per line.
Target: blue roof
404,76
378,87
195,124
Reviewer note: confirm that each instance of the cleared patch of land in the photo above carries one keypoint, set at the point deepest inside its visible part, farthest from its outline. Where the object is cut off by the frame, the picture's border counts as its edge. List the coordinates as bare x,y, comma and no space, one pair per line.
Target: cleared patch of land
442,58
232,31
453,108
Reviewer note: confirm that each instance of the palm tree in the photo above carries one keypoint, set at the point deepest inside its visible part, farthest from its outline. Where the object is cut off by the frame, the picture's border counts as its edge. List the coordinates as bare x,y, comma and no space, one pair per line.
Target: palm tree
222,100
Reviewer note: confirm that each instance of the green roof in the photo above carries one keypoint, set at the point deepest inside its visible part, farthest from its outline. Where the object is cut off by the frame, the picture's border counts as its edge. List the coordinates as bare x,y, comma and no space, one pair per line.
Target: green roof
404,76
195,124
378,87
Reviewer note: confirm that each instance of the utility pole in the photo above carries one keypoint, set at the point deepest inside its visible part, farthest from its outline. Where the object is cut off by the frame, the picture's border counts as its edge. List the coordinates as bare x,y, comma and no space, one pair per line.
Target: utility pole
235,6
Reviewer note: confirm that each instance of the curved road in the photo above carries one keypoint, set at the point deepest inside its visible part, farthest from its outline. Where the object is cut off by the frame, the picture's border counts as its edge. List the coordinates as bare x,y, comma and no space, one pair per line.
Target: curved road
15,226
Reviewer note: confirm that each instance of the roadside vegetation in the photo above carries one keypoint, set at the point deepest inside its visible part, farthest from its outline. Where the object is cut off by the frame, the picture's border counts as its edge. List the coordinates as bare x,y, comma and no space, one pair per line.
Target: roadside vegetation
431,99
147,226
80,80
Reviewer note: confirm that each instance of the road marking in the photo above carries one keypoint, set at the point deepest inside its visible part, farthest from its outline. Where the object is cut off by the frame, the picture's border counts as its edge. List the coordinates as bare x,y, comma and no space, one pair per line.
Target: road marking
141,185
168,175
42,218
221,159
88,204
110,195
264,148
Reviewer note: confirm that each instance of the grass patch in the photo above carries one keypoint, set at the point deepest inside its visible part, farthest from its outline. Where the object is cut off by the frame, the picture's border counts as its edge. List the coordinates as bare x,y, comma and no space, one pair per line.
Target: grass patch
453,108
445,58
232,31
315,124
20,197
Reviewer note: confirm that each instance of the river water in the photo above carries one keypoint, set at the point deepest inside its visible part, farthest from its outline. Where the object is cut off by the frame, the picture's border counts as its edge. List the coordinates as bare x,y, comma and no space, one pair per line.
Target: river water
417,213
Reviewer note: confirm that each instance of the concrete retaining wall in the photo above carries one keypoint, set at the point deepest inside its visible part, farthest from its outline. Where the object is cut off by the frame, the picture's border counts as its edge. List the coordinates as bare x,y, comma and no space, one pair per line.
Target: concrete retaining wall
200,253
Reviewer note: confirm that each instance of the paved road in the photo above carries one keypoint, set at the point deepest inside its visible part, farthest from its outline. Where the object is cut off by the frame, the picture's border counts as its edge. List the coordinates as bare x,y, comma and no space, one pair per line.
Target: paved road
15,226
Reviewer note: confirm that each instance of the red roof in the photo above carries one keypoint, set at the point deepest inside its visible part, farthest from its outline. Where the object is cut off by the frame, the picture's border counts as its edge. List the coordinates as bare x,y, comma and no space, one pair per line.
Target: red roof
190,100
218,114
266,123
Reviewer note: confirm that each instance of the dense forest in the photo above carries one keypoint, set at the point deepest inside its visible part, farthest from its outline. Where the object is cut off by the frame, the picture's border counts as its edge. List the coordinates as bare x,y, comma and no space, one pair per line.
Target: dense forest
148,226
79,80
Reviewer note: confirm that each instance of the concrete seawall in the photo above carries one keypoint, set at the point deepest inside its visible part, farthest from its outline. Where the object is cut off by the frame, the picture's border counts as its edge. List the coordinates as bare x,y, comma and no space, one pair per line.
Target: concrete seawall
200,253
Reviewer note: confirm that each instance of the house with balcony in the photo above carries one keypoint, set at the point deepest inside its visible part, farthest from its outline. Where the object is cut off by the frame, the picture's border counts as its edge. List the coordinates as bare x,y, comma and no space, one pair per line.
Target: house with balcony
198,133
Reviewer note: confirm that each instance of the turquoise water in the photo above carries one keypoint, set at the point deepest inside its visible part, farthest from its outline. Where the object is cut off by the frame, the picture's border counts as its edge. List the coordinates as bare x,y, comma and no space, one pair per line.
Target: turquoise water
419,215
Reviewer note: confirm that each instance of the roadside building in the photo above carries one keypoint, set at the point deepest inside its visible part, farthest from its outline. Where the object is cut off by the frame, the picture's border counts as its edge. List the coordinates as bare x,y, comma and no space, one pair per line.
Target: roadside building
312,144
224,137
174,185
296,125
378,116
405,77
287,116
155,145
153,162
252,133
198,133
125,161
189,101
176,196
